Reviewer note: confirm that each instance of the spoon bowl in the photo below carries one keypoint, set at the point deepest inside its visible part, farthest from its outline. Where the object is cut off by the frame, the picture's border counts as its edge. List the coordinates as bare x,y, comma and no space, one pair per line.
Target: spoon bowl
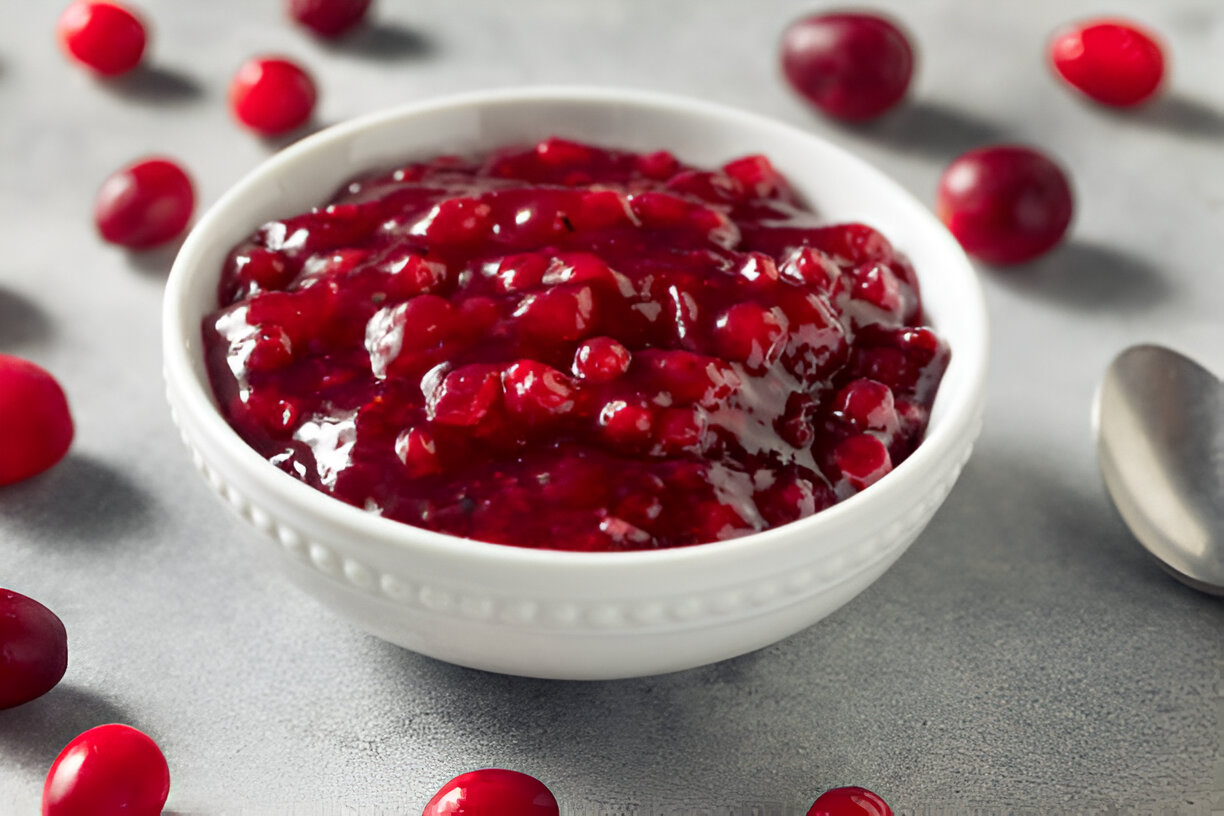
1159,420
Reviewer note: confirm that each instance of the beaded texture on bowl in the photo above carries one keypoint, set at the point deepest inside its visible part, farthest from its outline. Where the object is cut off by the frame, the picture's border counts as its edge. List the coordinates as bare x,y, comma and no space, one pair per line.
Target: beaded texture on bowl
681,611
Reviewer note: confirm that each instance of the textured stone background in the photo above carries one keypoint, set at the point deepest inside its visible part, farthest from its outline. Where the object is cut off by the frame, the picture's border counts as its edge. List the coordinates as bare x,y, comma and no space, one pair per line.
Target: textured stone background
1024,656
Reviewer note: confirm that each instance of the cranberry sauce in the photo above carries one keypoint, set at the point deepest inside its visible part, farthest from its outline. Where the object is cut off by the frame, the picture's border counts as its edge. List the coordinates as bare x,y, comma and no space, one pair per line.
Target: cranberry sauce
575,348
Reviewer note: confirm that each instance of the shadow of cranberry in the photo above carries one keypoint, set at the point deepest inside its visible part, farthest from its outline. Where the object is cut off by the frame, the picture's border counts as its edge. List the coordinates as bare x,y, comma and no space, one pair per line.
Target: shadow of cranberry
1090,277
33,734
1179,114
280,142
154,84
929,128
81,503
156,261
382,42
22,321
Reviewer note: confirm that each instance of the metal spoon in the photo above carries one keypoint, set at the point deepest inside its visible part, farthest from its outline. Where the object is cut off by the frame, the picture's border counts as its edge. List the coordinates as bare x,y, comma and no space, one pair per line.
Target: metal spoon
1159,420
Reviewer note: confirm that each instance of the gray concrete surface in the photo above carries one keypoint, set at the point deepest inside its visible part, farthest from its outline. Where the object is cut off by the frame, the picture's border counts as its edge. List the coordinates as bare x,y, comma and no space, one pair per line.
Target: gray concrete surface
1024,657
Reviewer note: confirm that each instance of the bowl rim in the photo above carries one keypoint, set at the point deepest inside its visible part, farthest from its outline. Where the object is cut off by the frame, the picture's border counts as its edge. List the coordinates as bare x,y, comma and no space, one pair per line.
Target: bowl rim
188,394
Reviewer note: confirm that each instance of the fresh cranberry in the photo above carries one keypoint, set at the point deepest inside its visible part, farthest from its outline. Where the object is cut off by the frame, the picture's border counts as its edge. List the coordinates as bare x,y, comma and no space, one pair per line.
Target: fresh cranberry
35,425
110,769
492,791
1005,204
33,648
852,66
328,18
106,37
144,204
271,95
849,801
1114,62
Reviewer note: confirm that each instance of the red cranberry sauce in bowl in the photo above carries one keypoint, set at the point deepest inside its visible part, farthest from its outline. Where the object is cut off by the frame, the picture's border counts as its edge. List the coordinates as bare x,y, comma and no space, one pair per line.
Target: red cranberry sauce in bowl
570,347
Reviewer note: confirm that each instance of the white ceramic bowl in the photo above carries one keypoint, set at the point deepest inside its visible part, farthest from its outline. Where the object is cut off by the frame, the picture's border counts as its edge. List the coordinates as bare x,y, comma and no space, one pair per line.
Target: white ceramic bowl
560,614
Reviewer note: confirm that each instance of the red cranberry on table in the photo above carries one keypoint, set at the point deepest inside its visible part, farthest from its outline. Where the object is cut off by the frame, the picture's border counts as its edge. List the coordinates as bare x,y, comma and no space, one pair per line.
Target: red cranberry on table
1006,204
272,95
492,790
328,18
852,66
35,424
147,203
107,771
33,649
849,801
1114,62
106,37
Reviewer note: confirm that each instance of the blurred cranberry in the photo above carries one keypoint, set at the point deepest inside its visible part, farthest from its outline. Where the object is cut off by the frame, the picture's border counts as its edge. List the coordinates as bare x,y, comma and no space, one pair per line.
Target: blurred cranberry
1112,61
852,66
272,95
106,37
35,424
144,204
328,18
1005,204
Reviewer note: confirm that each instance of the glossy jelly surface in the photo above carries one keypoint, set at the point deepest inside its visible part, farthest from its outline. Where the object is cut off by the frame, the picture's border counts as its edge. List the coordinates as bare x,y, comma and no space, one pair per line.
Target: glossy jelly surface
572,347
